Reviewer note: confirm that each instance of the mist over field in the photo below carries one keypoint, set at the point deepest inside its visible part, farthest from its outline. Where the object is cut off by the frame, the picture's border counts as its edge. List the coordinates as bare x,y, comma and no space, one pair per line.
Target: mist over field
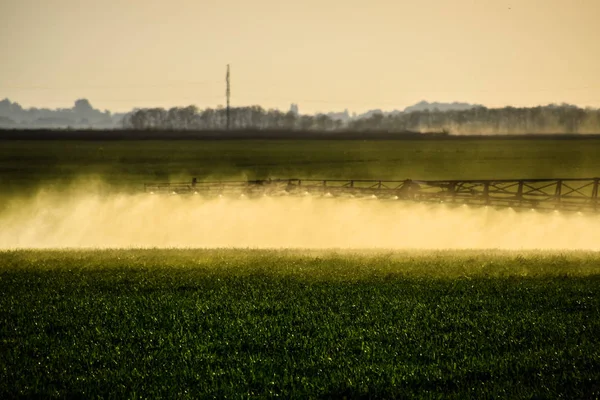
82,217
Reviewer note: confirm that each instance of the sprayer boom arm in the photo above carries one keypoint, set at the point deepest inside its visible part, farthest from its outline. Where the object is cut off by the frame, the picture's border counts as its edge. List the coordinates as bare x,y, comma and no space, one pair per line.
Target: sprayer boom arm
572,194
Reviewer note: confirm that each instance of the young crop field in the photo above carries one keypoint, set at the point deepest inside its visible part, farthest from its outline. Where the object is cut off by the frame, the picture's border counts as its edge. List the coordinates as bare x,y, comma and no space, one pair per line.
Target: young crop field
299,324
25,165
235,322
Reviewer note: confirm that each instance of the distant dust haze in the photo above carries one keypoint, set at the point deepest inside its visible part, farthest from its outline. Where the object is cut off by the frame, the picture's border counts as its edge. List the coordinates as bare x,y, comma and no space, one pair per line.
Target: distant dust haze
84,218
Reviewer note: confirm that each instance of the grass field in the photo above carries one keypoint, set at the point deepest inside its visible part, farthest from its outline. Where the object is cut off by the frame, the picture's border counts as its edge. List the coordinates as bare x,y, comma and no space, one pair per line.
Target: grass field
303,324
243,323
27,164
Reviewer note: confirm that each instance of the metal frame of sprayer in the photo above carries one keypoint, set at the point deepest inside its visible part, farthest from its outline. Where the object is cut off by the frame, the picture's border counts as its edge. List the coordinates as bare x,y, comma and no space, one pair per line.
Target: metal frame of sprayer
571,194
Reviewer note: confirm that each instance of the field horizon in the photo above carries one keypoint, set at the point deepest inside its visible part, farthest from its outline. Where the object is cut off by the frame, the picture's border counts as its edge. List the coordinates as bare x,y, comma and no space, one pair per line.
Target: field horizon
119,134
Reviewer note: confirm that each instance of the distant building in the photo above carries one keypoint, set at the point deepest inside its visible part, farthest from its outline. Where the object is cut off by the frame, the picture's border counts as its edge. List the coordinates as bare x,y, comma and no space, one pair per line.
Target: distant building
294,109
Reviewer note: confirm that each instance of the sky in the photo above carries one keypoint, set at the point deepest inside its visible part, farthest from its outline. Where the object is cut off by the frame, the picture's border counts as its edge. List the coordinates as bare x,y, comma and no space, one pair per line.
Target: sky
324,55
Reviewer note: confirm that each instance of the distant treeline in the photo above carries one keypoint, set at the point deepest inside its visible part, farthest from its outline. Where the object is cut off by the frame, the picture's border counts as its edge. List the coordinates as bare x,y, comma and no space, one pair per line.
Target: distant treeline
451,118
559,119
81,115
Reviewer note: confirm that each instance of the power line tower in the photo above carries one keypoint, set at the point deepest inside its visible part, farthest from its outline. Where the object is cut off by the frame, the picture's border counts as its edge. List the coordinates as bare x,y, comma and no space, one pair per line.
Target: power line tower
228,94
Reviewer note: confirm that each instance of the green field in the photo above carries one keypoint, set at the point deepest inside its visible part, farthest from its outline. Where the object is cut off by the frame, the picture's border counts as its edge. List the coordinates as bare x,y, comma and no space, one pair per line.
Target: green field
27,164
236,323
243,323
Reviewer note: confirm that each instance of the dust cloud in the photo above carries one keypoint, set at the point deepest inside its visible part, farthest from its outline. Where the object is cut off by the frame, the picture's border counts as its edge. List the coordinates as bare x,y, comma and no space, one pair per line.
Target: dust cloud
488,129
84,218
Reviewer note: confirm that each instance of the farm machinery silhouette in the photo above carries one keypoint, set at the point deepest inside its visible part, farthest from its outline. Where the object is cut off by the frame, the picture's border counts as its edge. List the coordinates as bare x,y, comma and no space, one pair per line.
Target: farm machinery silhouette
576,194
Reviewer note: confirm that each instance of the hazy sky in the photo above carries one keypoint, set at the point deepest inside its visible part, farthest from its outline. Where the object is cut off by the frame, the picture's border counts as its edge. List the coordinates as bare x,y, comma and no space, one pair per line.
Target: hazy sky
321,54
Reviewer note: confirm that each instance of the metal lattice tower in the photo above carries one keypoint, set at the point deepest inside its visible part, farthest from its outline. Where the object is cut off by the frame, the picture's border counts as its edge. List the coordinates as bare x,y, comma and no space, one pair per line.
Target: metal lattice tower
228,94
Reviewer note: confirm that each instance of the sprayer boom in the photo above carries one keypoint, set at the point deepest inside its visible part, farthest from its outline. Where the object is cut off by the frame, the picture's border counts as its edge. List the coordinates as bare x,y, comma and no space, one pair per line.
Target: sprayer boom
575,194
